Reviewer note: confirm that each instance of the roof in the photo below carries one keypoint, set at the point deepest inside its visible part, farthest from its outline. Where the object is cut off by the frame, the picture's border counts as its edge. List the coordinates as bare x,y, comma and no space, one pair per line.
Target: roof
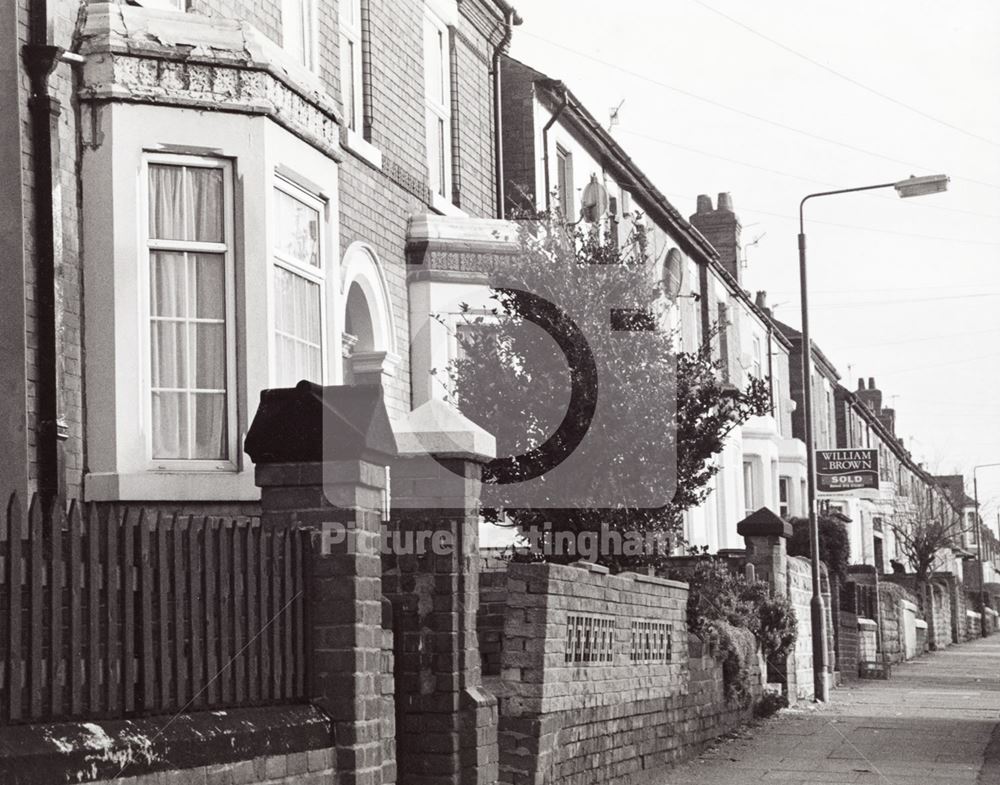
552,93
795,335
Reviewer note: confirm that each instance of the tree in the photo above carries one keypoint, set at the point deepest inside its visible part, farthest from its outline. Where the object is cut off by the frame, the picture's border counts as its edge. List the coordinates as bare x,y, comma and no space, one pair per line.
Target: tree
517,383
926,529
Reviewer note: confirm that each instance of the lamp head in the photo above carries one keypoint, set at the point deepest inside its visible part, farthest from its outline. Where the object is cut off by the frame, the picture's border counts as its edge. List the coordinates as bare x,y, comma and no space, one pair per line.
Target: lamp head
919,186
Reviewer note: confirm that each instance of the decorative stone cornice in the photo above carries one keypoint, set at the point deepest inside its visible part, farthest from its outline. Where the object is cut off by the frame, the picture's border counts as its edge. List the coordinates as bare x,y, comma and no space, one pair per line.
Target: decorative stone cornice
136,54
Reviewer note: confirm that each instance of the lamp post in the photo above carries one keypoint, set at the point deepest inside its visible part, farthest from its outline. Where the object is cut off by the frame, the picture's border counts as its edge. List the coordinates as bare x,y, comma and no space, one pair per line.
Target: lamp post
979,543
914,186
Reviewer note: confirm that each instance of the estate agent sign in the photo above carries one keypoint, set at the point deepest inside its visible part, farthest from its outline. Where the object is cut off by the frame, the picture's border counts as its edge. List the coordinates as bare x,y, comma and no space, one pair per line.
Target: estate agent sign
846,470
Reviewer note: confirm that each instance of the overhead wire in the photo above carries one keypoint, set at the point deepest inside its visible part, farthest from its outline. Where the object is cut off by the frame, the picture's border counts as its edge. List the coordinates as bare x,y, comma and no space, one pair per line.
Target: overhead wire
845,77
743,112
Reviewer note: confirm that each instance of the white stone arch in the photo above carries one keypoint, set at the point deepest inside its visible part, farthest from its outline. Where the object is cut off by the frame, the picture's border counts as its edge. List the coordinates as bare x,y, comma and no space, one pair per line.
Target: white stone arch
366,308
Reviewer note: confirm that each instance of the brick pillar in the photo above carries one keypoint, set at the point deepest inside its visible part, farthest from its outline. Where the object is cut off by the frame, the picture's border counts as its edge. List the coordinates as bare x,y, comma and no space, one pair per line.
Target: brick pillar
341,500
448,730
765,534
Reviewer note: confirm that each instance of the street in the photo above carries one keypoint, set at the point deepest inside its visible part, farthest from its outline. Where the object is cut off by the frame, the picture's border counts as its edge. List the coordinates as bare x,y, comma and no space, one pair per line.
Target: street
934,723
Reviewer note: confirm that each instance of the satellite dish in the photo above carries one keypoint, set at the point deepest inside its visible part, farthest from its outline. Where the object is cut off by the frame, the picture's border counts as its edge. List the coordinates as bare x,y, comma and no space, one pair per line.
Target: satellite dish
594,203
673,273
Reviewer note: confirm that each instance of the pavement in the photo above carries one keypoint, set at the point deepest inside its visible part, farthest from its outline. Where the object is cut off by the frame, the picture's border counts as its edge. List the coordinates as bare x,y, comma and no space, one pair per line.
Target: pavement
935,722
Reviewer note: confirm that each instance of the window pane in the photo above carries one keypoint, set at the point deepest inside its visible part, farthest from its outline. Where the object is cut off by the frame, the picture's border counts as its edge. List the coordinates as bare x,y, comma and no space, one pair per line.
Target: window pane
168,342
298,329
208,286
204,188
210,435
349,86
433,62
209,347
167,290
170,426
166,202
297,229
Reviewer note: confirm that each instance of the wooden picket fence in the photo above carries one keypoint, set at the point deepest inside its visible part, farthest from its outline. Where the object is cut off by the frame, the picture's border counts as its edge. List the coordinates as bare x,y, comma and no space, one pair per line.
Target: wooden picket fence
112,612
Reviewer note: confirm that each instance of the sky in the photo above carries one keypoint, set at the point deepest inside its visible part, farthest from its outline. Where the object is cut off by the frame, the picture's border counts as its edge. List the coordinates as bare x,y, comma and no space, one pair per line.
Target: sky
774,100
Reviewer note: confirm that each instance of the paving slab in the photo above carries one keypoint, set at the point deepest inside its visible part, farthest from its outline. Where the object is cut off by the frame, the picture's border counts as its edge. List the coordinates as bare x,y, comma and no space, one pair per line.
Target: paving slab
935,722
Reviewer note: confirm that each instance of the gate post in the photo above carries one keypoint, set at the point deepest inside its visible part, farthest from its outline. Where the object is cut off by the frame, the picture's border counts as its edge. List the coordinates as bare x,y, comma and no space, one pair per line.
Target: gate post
321,457
449,723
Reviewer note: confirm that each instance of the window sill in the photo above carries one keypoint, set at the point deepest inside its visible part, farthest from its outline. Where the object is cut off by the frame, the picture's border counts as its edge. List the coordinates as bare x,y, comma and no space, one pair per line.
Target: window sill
360,147
442,206
182,486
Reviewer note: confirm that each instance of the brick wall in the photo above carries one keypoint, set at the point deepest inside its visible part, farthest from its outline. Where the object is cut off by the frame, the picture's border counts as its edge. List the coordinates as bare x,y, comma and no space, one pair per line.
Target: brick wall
800,662
847,644
612,719
490,617
519,154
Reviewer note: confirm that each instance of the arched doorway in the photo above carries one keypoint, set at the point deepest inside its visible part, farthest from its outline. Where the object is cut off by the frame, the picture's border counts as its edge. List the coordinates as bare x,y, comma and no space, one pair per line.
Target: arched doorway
368,337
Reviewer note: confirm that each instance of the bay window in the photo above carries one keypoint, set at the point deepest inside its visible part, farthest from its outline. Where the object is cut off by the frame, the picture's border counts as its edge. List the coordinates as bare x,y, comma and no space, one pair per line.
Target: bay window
190,273
298,287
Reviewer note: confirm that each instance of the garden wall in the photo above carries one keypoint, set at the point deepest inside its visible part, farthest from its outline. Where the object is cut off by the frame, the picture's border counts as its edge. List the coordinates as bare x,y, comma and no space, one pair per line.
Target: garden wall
847,644
600,680
801,685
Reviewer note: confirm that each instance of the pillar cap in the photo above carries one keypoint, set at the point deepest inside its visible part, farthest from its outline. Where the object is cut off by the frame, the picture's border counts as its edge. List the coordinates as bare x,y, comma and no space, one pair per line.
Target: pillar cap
310,423
763,523
438,428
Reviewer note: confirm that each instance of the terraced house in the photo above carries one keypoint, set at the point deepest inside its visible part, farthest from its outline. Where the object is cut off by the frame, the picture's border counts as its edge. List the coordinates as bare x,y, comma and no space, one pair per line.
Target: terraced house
233,189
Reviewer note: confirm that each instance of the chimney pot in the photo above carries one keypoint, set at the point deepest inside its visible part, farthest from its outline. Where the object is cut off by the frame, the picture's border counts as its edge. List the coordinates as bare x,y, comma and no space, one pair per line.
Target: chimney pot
761,299
871,383
861,383
725,203
704,203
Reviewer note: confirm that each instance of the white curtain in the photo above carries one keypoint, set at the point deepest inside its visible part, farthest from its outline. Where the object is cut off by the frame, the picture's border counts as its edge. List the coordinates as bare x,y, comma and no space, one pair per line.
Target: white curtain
297,325
187,316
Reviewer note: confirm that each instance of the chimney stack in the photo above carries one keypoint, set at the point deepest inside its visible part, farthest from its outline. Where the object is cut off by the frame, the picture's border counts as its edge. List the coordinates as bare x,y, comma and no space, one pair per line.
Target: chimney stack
722,229
871,397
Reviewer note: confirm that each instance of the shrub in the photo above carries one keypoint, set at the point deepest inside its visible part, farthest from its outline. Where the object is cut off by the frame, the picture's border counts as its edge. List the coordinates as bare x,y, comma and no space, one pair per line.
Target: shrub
720,599
770,703
735,647
834,544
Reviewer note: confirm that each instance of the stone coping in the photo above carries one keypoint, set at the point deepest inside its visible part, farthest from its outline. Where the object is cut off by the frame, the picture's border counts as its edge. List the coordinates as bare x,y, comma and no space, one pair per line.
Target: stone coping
71,752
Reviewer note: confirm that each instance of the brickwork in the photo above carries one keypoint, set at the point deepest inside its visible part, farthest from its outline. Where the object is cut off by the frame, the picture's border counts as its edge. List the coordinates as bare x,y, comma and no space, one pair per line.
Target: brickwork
867,640
517,98
612,719
801,685
448,731
315,767
490,618
848,643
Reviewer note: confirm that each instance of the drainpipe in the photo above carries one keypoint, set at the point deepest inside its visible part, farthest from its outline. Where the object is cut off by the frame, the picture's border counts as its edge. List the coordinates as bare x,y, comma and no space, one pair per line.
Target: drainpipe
510,19
40,58
545,145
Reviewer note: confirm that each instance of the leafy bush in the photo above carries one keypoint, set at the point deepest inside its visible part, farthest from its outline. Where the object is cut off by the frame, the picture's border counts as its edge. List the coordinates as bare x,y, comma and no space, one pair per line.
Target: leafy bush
834,544
735,647
720,599
770,703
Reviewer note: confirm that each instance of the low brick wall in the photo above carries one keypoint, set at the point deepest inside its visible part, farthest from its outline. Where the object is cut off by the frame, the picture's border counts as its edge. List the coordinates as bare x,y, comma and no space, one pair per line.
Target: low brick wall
893,632
801,685
278,745
939,630
867,640
847,644
490,616
600,680
973,625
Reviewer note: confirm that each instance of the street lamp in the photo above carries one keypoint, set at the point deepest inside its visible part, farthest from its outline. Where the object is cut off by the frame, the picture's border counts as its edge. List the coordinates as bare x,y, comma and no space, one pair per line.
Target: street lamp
913,186
979,542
